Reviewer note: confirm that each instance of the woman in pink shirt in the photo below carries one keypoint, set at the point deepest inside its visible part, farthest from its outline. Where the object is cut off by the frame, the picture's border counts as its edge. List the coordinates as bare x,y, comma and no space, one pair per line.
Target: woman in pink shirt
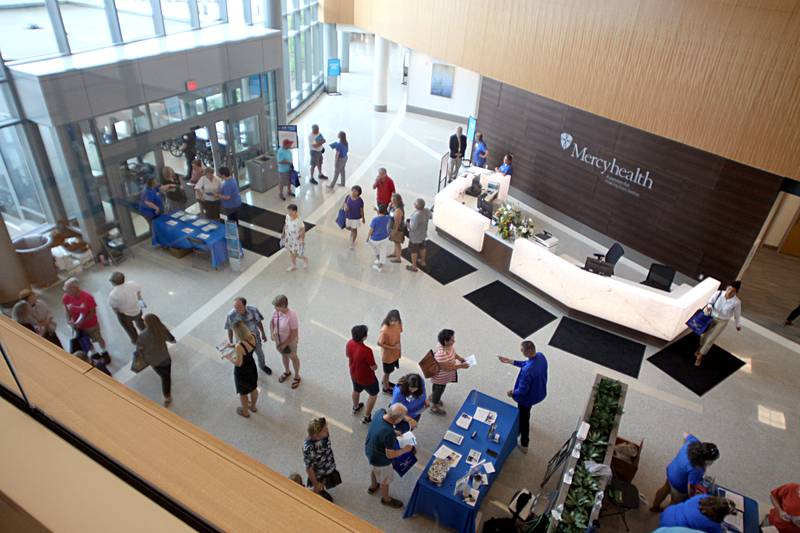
449,361
283,329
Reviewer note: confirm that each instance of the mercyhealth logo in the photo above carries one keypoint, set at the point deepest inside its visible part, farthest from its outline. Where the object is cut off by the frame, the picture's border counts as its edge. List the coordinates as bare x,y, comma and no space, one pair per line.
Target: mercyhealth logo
611,169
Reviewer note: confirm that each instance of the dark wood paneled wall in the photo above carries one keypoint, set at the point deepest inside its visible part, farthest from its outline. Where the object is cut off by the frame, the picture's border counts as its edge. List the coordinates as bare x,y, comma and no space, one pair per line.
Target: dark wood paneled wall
700,213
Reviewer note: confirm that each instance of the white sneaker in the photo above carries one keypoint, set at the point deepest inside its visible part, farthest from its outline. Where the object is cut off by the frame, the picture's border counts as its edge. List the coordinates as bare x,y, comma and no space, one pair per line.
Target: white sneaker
523,449
376,262
291,268
377,267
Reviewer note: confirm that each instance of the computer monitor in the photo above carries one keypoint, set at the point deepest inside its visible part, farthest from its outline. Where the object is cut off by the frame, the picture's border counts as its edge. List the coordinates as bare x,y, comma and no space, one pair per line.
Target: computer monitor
660,277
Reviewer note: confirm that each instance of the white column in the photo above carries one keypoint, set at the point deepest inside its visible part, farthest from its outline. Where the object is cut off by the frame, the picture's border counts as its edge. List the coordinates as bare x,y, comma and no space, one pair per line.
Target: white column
380,74
329,44
344,50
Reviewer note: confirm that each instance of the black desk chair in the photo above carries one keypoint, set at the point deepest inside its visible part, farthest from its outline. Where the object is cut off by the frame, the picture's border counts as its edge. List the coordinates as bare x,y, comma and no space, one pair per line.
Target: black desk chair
620,497
612,255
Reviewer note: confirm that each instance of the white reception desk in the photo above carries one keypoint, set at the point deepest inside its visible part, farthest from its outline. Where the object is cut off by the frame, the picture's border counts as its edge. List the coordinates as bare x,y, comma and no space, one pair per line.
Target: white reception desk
628,303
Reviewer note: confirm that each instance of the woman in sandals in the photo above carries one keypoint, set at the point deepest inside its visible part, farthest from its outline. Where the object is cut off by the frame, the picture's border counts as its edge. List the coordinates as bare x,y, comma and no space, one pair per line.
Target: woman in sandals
397,236
389,341
294,237
245,374
283,329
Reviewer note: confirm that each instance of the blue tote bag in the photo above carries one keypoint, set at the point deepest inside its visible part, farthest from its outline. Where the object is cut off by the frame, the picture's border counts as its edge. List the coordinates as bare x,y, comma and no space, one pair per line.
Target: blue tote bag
700,321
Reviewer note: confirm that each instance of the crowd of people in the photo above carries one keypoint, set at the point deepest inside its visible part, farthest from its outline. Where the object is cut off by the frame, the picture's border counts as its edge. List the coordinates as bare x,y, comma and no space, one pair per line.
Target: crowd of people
406,399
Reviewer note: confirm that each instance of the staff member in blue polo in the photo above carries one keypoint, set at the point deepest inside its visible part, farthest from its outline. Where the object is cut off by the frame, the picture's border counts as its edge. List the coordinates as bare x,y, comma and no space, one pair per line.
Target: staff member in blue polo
230,199
505,169
150,203
529,389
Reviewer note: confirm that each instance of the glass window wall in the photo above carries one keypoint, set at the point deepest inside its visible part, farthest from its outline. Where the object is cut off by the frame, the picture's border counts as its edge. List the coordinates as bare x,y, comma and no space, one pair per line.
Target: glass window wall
176,15
165,112
26,31
302,33
135,19
86,24
22,201
210,12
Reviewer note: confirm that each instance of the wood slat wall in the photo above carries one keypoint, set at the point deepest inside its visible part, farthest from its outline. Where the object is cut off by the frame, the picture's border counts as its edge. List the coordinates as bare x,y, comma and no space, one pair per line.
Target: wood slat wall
719,75
216,481
701,215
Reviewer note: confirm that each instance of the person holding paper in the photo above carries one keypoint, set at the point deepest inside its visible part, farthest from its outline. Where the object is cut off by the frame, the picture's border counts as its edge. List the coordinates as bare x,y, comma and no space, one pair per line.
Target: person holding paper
410,391
529,389
785,515
380,450
449,363
686,471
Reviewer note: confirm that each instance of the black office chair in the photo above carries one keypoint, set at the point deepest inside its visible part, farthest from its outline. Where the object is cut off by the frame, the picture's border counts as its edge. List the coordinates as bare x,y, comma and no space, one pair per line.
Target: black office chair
612,255
620,497
660,277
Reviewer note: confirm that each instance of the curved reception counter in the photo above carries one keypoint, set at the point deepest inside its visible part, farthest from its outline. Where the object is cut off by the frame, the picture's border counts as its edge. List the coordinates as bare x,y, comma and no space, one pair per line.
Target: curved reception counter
615,299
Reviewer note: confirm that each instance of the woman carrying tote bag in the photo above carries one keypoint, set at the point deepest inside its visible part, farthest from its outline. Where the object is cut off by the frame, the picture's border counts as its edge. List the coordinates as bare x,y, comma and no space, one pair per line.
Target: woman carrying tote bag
722,306
151,349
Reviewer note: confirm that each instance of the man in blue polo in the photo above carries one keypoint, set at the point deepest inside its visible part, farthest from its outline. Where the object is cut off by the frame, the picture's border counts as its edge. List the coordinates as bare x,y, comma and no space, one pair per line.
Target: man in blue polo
529,389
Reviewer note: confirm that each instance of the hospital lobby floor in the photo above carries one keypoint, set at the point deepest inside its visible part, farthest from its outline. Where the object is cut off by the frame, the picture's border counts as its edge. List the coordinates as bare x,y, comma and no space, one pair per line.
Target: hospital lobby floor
749,415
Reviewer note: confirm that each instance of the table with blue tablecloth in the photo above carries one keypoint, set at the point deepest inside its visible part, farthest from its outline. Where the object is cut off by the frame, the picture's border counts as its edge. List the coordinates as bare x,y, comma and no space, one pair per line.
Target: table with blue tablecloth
750,519
439,502
170,231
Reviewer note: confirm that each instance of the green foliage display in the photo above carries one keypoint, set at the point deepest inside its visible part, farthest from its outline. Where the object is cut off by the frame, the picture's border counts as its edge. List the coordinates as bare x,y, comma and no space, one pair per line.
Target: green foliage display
584,488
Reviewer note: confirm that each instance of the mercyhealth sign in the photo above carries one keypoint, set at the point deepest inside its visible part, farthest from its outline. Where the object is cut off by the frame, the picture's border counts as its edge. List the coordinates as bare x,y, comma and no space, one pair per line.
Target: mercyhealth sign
616,175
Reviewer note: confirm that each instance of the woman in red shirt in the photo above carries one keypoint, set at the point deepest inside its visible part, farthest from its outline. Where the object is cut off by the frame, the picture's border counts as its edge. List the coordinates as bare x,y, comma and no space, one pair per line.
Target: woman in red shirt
785,516
362,371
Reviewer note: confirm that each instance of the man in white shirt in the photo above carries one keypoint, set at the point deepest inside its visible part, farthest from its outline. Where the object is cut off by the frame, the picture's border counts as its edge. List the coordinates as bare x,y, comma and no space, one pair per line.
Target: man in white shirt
316,143
125,300
723,305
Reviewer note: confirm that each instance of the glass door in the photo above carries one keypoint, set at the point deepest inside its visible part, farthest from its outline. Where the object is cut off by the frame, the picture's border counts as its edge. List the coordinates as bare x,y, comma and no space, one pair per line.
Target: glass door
133,175
246,145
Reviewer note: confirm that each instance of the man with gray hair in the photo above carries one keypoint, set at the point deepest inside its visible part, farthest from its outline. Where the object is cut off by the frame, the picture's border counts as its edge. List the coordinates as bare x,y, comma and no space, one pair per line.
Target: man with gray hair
126,301
380,449
384,187
82,312
316,144
417,233
254,320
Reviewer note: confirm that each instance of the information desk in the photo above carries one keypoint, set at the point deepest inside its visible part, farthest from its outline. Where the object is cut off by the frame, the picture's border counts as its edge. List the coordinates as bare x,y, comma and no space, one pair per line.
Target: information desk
171,232
441,503
613,298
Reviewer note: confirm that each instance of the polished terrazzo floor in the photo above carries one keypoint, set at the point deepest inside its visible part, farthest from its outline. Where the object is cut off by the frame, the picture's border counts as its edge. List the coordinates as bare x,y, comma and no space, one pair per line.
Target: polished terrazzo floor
752,416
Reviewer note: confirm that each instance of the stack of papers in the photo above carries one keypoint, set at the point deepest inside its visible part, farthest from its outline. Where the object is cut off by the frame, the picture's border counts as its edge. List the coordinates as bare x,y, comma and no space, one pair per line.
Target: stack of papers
446,454
187,218
473,457
488,467
453,437
210,227
485,416
464,421
736,521
472,499
178,214
172,222
471,360
200,222
188,231
407,439
203,236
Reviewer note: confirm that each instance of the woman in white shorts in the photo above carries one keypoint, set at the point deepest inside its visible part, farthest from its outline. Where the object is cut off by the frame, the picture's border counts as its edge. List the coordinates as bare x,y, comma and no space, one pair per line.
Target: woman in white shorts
354,213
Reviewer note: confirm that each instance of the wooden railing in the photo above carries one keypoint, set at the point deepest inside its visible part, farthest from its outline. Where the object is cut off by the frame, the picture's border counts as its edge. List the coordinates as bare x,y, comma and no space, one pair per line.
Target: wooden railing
205,476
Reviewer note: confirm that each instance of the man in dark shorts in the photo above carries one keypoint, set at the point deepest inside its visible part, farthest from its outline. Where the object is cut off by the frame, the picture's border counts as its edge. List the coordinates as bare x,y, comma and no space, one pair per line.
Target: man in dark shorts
417,233
362,371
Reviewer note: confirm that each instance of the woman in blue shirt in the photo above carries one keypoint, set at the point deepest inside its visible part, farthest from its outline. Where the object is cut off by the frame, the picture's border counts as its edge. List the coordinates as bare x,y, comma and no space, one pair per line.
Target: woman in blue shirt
378,236
230,199
339,163
505,168
150,203
702,513
410,391
686,471
481,152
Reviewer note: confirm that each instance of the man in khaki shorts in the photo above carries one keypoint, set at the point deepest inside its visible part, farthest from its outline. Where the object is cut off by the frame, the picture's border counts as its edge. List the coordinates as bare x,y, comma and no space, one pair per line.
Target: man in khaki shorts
380,450
82,312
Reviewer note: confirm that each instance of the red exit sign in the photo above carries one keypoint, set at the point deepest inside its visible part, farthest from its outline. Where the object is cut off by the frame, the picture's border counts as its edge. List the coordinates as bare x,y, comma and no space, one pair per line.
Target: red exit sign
191,85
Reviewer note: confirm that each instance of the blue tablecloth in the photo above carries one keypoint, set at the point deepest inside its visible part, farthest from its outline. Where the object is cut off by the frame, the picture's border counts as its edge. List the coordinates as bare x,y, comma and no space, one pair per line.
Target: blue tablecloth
439,502
173,236
751,519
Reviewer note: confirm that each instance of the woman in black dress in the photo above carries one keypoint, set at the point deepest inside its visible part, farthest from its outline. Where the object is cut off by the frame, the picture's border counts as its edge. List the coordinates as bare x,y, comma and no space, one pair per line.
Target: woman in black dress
245,374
